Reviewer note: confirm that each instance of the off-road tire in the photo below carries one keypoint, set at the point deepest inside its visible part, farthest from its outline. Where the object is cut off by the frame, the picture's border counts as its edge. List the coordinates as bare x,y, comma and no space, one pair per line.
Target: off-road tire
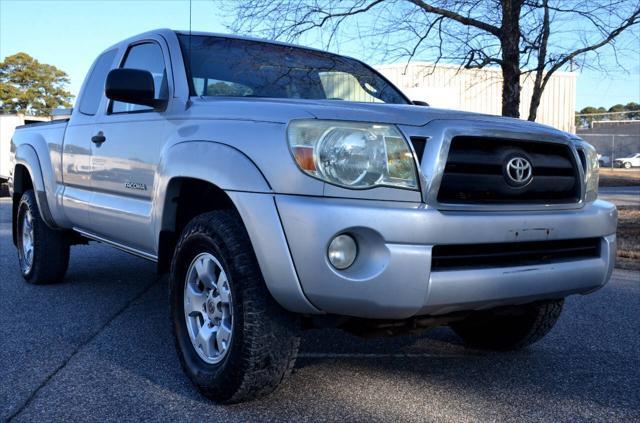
265,337
50,246
509,328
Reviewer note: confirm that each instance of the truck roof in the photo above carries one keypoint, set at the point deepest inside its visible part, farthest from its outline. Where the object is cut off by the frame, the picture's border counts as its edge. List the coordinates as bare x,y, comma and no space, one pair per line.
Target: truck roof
166,32
248,38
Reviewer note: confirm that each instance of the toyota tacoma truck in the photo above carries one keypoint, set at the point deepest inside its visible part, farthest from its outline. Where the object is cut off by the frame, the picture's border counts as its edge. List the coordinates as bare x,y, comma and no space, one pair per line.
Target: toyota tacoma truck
282,188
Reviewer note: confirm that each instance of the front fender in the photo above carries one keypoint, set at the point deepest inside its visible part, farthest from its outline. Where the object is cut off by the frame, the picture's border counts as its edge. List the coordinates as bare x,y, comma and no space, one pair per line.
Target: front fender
232,171
219,164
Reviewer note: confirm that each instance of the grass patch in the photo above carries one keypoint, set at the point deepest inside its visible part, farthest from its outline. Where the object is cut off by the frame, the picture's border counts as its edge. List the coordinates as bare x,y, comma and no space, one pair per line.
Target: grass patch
619,177
628,237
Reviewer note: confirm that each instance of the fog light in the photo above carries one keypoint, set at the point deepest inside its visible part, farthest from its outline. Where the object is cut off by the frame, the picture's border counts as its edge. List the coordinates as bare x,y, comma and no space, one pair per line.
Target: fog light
342,251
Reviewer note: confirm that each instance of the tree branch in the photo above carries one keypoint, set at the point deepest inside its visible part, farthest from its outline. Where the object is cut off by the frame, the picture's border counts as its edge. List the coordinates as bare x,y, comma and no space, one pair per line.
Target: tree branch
457,17
634,19
540,83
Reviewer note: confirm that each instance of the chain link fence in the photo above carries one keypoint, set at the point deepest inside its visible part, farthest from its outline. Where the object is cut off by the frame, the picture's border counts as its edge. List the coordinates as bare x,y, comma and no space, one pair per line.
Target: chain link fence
612,146
615,135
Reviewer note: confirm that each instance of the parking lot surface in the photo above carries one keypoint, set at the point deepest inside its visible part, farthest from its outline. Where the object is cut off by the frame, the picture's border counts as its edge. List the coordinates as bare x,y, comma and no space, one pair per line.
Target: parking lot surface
621,196
98,347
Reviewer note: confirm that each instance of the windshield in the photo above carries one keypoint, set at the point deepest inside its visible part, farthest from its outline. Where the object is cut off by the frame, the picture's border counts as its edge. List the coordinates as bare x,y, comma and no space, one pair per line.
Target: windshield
221,66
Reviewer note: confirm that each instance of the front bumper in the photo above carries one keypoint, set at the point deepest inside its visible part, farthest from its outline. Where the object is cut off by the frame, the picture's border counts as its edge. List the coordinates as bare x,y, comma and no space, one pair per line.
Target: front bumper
392,276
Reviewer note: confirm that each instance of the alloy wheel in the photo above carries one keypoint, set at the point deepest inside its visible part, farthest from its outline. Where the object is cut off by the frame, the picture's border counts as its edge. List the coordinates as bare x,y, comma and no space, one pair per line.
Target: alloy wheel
208,308
27,241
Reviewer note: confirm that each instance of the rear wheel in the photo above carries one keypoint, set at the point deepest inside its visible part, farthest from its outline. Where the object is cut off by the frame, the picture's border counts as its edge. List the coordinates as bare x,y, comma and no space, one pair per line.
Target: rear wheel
234,341
43,252
509,329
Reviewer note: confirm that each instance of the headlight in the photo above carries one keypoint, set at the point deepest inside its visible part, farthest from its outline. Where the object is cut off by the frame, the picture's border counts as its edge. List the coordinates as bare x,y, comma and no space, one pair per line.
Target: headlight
592,168
353,154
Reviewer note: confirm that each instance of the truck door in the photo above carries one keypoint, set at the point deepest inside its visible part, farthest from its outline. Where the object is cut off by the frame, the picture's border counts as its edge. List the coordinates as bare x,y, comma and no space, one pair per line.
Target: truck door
77,145
126,156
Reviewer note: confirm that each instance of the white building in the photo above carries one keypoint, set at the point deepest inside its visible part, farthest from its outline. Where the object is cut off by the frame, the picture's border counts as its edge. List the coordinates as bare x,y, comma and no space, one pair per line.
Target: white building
480,90
8,124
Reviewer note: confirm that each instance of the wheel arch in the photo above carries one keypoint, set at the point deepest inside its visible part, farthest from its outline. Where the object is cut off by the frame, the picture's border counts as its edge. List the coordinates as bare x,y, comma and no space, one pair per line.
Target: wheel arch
193,179
219,176
22,182
27,174
185,198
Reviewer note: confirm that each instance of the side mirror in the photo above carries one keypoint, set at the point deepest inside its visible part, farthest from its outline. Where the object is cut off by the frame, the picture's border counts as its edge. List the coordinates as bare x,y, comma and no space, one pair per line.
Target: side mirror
420,103
132,86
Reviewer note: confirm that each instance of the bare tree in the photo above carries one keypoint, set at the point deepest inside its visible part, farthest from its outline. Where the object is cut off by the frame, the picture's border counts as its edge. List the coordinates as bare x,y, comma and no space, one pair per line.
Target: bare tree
523,37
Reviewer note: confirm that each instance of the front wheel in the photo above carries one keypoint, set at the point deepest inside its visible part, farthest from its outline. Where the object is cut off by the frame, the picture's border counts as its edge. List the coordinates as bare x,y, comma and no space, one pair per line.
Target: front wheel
627,165
509,328
43,252
234,341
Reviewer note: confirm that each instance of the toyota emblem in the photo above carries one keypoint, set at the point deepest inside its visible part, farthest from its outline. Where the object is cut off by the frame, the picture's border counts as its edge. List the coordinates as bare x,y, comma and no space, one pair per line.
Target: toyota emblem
518,171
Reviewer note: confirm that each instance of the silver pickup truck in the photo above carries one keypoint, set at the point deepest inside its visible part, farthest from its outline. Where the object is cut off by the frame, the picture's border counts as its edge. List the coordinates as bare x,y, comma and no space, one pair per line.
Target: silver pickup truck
283,188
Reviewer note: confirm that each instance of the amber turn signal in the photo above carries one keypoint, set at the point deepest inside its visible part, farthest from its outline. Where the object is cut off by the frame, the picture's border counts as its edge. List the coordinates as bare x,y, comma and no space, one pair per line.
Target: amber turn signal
304,157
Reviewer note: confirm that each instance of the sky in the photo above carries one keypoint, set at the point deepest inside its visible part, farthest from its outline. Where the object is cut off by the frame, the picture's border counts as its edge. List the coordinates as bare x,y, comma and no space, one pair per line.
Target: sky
70,35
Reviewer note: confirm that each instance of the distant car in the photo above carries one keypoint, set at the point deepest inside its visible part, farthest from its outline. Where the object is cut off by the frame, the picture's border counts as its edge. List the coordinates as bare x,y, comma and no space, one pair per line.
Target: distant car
628,162
604,160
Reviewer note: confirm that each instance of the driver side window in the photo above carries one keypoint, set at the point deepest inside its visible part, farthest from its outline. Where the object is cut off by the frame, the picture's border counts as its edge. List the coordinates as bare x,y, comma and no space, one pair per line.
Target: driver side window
146,56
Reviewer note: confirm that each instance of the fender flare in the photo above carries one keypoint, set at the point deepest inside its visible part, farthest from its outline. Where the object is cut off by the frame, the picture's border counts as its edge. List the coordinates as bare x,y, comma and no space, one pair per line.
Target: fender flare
210,161
221,164
232,171
27,156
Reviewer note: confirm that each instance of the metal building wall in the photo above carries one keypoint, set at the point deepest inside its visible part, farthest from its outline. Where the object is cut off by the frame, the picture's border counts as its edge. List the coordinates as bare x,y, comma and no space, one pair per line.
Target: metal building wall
479,90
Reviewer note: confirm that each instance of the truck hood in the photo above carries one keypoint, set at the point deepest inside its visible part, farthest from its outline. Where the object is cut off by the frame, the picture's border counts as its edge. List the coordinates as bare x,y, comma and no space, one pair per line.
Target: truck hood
284,110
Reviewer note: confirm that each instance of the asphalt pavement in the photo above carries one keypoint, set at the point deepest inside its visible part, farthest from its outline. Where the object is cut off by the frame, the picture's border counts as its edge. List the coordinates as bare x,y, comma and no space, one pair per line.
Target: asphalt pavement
621,196
98,347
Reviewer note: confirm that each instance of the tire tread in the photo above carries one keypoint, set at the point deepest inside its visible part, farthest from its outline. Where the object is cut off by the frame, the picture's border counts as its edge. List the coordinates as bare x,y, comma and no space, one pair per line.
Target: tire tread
486,330
51,247
270,338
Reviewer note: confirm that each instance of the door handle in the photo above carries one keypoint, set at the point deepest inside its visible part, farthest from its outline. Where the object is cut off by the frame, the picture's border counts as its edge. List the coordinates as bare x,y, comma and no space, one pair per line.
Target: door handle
99,138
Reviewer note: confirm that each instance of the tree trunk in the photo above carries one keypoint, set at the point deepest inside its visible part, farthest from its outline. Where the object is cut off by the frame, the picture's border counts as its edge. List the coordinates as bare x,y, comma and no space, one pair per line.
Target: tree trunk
535,102
510,43
510,87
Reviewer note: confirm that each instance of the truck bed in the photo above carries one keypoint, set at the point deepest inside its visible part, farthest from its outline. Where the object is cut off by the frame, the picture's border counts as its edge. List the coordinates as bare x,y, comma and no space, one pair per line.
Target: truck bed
48,123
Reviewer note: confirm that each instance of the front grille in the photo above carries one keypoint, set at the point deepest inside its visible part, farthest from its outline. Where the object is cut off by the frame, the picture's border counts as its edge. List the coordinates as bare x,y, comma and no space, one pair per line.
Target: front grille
467,256
419,143
475,172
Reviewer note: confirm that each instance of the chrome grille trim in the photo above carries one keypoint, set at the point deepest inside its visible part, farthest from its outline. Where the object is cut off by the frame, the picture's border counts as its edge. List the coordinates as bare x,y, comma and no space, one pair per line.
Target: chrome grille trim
441,132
